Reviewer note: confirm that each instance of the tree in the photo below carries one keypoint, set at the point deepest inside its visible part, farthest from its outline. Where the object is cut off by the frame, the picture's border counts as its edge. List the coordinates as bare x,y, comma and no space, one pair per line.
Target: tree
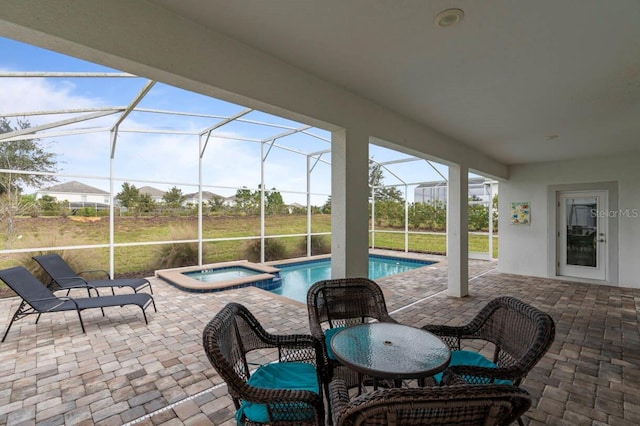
12,205
146,203
216,203
27,154
495,212
173,197
381,192
50,206
273,202
248,201
129,196
478,217
326,207
244,201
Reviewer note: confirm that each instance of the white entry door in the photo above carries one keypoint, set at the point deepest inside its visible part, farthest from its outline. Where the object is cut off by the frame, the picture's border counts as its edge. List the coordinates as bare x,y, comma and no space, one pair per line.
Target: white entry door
582,234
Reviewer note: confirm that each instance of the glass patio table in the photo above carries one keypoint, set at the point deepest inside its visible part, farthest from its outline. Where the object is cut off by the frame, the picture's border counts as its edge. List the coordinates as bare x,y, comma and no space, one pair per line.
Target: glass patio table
390,351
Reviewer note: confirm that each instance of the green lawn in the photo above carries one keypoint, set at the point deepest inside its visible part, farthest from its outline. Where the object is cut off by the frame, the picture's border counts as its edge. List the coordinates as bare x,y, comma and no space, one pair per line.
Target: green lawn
58,231
431,243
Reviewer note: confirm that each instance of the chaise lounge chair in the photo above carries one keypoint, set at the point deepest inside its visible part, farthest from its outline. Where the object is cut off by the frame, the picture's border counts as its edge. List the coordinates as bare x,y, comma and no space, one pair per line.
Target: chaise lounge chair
65,278
38,299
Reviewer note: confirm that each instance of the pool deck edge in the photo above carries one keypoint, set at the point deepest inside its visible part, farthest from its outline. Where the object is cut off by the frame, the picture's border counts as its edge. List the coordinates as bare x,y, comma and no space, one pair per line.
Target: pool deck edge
176,276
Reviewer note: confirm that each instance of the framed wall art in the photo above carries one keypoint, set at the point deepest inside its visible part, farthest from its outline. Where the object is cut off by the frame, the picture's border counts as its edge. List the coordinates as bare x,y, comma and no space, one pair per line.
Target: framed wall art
520,213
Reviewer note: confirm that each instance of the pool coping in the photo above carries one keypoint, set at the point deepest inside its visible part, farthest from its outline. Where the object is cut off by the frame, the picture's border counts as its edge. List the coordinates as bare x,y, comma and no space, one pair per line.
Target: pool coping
407,257
266,280
295,260
176,277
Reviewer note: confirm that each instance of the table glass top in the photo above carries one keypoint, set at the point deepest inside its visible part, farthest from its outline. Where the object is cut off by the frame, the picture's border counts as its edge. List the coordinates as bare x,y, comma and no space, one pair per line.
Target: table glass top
390,350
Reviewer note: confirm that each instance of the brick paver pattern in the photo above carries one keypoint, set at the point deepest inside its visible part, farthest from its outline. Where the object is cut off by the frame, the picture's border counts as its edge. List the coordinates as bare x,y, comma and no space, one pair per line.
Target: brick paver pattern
123,371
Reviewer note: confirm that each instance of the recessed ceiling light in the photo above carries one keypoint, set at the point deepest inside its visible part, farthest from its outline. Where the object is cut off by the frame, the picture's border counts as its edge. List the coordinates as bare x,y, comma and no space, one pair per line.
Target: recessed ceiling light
449,17
551,137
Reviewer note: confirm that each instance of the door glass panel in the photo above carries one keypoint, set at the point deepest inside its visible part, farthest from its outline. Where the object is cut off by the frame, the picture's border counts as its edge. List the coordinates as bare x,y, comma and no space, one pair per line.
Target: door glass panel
581,231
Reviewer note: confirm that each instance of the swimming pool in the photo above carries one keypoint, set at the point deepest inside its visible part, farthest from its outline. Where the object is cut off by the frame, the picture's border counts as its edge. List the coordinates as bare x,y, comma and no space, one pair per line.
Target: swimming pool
298,277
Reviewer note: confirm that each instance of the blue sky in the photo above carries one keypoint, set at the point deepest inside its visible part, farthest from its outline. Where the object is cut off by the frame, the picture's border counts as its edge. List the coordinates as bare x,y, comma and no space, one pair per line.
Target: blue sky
163,158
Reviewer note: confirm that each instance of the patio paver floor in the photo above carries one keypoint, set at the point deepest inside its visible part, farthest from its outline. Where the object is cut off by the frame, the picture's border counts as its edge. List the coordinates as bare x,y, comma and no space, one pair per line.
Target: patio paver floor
123,371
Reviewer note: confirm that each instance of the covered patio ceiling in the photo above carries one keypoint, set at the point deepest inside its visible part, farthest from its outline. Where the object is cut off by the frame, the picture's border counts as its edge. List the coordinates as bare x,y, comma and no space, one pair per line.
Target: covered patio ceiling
518,81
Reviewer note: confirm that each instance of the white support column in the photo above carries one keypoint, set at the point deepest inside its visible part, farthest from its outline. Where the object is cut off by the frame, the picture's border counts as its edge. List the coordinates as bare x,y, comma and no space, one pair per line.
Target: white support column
406,219
262,239
201,146
112,194
308,205
457,231
349,204
491,221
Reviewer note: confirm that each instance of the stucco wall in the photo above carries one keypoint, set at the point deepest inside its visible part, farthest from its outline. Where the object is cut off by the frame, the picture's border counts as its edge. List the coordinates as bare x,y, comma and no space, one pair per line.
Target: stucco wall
529,250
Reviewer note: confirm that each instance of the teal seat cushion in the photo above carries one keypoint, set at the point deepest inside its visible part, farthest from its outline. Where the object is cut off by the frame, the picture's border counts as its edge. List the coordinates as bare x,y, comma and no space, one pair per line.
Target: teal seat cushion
327,339
473,359
282,375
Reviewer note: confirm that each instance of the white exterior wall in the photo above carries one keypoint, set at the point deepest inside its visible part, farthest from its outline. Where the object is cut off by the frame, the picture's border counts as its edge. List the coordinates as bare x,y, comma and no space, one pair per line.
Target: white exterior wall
76,197
529,250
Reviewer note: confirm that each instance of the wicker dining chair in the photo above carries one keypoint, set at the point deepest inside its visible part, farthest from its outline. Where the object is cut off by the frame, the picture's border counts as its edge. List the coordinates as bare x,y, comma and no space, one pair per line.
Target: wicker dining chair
284,393
338,303
465,404
521,334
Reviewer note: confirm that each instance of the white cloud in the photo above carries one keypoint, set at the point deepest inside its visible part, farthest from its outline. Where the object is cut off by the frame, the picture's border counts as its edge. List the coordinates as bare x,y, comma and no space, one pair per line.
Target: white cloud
39,94
168,157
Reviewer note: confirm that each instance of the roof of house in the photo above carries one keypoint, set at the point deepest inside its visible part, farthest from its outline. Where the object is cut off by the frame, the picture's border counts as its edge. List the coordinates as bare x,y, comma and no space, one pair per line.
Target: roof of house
151,191
74,187
206,195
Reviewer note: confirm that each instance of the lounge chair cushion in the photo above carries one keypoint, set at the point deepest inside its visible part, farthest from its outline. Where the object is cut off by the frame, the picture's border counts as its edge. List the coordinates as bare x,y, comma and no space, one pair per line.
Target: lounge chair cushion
282,375
328,334
471,358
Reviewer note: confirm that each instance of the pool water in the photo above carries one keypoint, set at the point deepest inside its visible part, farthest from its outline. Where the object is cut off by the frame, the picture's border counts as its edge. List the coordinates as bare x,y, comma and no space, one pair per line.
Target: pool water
222,274
297,278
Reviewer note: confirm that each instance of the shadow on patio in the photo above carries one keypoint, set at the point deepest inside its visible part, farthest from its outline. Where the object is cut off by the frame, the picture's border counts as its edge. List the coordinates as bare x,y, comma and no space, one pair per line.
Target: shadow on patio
122,371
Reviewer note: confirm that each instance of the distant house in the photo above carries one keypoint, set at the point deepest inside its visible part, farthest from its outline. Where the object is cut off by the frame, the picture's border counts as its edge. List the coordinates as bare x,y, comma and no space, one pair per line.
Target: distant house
77,194
295,207
206,196
480,189
229,201
154,193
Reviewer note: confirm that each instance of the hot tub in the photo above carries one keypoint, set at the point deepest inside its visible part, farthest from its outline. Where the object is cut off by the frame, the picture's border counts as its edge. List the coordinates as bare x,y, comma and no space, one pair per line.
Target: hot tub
222,276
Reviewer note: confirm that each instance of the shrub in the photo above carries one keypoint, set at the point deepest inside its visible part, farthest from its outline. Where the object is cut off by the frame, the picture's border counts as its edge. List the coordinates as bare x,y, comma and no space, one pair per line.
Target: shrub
76,259
273,250
176,255
87,212
320,244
